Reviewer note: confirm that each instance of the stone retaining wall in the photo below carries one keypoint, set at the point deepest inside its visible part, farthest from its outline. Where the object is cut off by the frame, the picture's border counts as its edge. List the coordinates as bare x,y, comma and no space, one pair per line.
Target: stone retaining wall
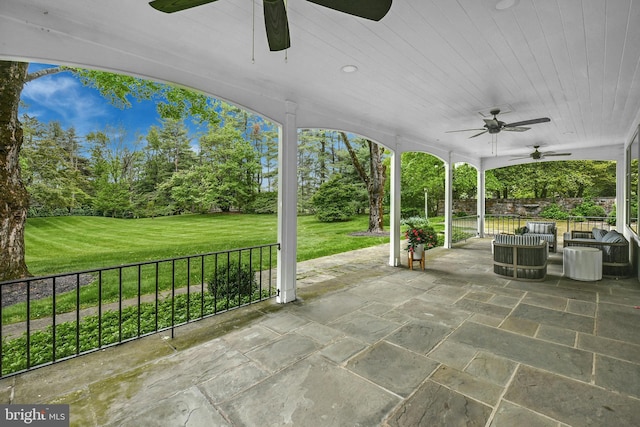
525,207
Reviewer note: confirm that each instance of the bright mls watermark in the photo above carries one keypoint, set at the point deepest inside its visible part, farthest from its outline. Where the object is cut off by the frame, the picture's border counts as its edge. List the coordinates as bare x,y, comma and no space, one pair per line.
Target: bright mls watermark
34,415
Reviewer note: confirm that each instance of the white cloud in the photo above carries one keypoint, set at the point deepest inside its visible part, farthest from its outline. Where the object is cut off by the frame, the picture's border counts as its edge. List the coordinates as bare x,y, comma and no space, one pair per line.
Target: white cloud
62,97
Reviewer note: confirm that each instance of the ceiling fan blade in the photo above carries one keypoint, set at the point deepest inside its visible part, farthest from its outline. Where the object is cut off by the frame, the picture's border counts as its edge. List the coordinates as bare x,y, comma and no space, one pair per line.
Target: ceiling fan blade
478,134
549,153
170,6
464,130
276,24
369,9
528,122
515,129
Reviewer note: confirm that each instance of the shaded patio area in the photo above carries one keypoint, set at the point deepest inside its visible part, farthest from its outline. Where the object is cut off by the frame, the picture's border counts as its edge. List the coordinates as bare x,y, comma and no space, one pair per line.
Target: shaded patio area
368,344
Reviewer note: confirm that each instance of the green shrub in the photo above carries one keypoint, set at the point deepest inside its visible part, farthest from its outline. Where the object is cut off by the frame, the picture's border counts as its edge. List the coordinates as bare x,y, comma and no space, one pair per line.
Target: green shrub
406,212
457,235
232,281
611,219
554,211
415,222
588,209
334,200
264,203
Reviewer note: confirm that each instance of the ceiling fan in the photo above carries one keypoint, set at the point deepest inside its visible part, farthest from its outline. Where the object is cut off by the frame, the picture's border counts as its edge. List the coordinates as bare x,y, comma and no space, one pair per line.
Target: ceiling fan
538,155
275,14
494,125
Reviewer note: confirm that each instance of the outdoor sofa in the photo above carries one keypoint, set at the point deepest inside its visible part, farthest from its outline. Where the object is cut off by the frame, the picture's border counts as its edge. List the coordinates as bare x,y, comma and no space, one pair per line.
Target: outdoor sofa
614,247
544,230
520,257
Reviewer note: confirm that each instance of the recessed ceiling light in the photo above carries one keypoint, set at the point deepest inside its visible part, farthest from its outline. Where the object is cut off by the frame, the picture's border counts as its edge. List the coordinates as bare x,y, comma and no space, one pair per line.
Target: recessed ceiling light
505,4
349,69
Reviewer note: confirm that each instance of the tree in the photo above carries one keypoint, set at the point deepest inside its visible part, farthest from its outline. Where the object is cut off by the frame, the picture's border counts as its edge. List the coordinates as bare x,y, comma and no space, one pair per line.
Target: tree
114,167
465,181
553,179
231,164
420,171
171,102
52,168
15,199
190,190
334,200
374,180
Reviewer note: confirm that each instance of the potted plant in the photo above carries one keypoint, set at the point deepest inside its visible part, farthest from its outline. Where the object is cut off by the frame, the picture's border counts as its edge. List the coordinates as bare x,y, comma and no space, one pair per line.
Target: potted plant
420,236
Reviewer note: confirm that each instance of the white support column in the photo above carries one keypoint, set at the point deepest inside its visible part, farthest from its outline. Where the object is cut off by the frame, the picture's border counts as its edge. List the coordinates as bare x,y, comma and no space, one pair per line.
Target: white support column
394,220
621,188
448,201
287,205
480,202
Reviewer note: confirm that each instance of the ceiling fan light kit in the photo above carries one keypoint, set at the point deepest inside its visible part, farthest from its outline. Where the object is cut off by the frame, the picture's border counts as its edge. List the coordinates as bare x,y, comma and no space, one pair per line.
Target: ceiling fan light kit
275,14
539,155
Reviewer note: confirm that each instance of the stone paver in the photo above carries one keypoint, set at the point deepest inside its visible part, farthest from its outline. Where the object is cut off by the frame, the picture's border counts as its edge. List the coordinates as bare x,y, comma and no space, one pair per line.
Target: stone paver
436,405
468,384
510,415
283,351
367,344
315,391
523,349
402,376
617,322
419,336
619,349
365,327
557,334
554,318
187,408
572,402
618,375
489,367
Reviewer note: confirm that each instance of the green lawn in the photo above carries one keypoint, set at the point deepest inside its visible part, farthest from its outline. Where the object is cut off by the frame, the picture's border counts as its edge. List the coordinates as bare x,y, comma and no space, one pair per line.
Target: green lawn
66,244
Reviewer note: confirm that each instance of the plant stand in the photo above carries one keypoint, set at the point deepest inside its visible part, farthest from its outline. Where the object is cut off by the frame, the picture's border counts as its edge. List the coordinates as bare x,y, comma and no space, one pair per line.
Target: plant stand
416,255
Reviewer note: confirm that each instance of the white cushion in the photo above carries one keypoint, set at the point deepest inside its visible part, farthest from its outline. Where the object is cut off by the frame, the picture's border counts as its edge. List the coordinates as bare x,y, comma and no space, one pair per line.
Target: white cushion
541,227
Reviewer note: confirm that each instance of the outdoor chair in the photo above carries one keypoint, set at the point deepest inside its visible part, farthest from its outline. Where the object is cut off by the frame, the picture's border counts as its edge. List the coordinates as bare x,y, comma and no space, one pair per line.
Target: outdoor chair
545,231
520,257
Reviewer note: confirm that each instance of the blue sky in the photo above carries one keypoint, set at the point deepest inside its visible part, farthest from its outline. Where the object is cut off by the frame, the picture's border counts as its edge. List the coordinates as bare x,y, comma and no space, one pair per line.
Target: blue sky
62,97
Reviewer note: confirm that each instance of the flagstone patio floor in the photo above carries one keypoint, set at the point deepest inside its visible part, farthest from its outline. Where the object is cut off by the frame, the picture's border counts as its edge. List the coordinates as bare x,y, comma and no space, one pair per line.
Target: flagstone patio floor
368,344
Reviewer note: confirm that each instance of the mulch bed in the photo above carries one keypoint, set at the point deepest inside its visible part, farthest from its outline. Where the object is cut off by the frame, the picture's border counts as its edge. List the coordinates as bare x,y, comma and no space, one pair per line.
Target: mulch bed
368,234
17,292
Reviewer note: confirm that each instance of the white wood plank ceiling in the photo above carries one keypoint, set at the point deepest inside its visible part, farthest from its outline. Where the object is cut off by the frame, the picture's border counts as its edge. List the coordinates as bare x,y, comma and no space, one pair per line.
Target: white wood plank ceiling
428,67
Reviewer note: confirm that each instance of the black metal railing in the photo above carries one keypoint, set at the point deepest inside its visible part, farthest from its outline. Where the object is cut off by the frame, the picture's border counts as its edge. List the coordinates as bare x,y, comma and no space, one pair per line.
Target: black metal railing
463,227
467,226
44,320
496,224
588,223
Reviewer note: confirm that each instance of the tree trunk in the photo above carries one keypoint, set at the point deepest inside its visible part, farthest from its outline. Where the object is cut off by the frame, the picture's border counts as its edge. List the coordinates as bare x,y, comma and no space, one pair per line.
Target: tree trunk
375,187
374,181
14,199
